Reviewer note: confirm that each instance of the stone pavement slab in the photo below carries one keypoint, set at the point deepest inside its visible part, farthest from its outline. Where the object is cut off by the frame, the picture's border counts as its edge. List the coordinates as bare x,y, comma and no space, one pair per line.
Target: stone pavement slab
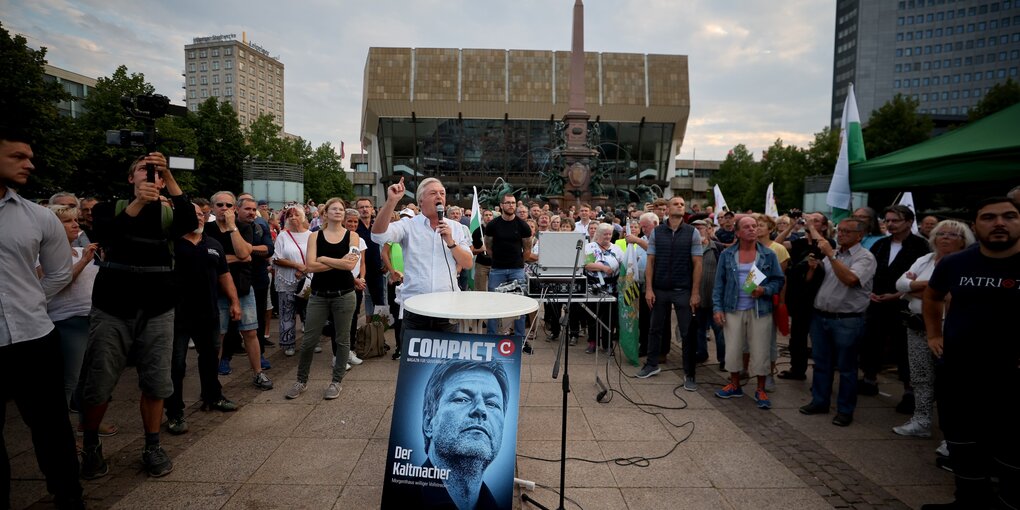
653,445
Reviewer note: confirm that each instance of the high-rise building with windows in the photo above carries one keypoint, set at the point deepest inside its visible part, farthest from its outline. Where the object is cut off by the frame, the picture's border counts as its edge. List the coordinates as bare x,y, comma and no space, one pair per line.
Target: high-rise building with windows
946,54
239,72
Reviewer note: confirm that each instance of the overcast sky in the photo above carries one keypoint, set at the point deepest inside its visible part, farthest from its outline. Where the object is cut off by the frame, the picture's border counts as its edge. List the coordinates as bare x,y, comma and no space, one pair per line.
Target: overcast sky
758,70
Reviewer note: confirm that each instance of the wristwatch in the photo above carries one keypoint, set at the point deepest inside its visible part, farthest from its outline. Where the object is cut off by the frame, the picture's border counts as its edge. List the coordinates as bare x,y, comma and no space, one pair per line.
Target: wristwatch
451,246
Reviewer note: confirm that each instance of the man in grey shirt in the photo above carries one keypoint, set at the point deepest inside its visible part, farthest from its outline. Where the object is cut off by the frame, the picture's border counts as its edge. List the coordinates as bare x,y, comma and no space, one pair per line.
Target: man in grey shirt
839,318
31,369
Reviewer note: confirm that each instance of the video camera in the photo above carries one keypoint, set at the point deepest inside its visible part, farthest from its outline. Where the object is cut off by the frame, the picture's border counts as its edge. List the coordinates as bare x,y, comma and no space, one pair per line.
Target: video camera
147,108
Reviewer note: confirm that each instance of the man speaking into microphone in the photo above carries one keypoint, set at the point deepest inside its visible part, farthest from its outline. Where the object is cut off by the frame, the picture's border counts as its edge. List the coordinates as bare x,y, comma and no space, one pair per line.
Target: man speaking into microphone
434,247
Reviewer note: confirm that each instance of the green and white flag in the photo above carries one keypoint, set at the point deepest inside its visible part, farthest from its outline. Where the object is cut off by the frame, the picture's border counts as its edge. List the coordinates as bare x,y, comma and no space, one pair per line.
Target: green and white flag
851,150
475,224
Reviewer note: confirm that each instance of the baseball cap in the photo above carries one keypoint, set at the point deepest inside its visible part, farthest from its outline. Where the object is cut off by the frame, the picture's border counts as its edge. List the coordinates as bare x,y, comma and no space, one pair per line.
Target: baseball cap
702,223
263,202
407,213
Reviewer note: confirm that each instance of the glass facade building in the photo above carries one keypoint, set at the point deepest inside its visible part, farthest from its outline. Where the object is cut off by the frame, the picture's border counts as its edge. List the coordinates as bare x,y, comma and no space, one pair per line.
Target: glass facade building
471,151
473,116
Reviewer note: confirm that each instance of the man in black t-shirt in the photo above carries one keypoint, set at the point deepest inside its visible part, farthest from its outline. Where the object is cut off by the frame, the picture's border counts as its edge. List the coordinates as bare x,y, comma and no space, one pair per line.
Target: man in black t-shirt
201,268
800,292
236,238
978,351
508,240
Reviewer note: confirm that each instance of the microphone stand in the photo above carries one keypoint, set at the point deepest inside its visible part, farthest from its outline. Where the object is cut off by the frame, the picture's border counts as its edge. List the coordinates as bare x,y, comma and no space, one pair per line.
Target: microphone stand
565,352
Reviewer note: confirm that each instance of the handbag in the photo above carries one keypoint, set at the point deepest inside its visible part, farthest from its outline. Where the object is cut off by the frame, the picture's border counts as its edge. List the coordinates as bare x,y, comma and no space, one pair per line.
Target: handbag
305,285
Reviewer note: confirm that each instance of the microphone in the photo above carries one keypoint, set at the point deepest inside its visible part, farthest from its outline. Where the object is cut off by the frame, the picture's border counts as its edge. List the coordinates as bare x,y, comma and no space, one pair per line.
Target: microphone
440,210
580,244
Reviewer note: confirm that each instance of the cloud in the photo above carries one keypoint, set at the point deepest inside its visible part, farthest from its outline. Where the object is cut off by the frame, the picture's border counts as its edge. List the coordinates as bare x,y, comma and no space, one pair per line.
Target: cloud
758,70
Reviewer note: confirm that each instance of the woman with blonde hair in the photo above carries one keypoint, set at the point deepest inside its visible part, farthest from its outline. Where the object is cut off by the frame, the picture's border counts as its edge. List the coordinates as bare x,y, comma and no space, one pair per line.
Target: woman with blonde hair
331,254
69,309
291,270
947,237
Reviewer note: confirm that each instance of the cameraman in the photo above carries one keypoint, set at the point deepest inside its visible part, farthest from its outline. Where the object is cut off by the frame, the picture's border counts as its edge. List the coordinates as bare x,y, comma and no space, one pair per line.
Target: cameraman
132,319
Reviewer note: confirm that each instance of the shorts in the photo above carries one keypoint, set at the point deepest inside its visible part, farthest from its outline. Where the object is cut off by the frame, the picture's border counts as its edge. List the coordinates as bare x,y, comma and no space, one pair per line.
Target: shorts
249,319
115,343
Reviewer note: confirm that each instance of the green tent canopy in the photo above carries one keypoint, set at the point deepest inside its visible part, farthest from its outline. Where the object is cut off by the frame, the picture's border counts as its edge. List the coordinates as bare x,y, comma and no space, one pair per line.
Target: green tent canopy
985,150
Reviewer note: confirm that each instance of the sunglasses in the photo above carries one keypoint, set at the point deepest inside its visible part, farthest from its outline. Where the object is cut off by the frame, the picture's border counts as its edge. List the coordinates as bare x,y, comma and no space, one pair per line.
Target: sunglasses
228,205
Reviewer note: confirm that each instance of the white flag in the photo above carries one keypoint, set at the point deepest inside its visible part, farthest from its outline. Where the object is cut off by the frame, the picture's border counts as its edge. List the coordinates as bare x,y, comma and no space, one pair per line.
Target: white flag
720,203
908,200
851,150
770,203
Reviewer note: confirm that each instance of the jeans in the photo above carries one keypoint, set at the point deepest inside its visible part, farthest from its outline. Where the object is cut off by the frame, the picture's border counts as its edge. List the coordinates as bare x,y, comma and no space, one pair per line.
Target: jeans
340,308
204,331
74,338
498,277
680,301
706,321
800,326
835,343
373,280
425,323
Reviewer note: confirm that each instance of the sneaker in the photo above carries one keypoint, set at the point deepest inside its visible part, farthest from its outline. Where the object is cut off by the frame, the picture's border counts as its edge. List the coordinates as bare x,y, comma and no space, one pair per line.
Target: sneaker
289,351
648,371
395,356
318,349
348,367
690,384
943,449
296,390
770,383
262,382
573,341
353,359
157,463
814,409
176,425
527,348
265,364
590,349
843,419
223,404
913,429
762,399
225,367
93,465
332,391
730,391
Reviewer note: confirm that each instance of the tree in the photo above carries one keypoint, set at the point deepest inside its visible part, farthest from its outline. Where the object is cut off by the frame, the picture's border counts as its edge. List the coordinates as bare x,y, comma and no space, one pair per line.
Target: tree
786,166
736,178
221,147
894,126
1000,97
265,143
324,175
29,103
823,151
103,169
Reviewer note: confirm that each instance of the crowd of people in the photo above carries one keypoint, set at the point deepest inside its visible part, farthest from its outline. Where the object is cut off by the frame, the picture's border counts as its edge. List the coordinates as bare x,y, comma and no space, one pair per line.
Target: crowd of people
93,287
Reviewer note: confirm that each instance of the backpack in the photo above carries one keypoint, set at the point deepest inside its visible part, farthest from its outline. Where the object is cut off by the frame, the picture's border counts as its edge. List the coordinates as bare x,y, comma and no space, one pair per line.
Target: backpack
370,341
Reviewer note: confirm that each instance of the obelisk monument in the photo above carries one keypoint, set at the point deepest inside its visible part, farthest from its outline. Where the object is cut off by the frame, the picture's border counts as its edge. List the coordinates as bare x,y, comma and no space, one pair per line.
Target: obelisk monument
577,156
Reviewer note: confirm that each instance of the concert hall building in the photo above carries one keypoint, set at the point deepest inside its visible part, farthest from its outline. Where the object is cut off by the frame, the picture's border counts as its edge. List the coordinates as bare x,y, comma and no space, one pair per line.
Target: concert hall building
471,116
